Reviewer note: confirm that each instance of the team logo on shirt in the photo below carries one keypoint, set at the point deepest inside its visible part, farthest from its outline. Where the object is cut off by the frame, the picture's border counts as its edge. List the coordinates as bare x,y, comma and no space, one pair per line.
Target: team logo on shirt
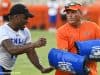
18,41
87,33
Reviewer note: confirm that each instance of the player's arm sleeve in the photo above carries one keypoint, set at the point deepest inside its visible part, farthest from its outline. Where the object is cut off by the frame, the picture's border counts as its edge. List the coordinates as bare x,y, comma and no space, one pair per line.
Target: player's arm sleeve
61,39
3,36
29,39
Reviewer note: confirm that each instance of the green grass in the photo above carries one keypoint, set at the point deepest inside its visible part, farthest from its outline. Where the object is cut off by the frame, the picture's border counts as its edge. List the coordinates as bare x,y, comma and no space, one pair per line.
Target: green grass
23,65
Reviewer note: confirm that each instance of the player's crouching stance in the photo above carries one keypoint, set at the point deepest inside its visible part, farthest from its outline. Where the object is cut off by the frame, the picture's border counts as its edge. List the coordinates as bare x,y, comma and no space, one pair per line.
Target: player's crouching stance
15,39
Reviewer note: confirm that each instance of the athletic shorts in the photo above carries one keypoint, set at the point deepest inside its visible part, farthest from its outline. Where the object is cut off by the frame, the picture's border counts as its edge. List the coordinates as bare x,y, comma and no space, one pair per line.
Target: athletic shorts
52,19
3,71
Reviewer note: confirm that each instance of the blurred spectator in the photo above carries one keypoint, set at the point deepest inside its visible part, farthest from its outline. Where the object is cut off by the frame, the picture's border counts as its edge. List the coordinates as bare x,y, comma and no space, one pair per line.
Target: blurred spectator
63,15
52,12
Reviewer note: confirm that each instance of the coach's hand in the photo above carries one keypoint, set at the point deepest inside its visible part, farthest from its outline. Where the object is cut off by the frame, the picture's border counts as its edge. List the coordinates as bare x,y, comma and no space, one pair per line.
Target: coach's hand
40,42
47,70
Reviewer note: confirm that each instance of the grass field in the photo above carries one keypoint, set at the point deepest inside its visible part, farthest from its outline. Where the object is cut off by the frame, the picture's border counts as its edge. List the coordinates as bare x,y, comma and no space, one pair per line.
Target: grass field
23,65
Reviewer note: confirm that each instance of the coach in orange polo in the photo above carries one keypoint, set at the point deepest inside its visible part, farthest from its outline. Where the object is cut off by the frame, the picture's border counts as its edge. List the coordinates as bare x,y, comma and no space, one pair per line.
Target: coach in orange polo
74,30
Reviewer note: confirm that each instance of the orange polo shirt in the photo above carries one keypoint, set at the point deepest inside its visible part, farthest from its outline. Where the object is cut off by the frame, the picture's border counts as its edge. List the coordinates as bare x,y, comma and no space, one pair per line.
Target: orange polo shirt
67,35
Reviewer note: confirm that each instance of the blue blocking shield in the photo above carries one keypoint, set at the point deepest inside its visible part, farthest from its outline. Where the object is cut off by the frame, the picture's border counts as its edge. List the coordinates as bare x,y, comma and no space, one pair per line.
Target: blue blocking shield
90,49
67,61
